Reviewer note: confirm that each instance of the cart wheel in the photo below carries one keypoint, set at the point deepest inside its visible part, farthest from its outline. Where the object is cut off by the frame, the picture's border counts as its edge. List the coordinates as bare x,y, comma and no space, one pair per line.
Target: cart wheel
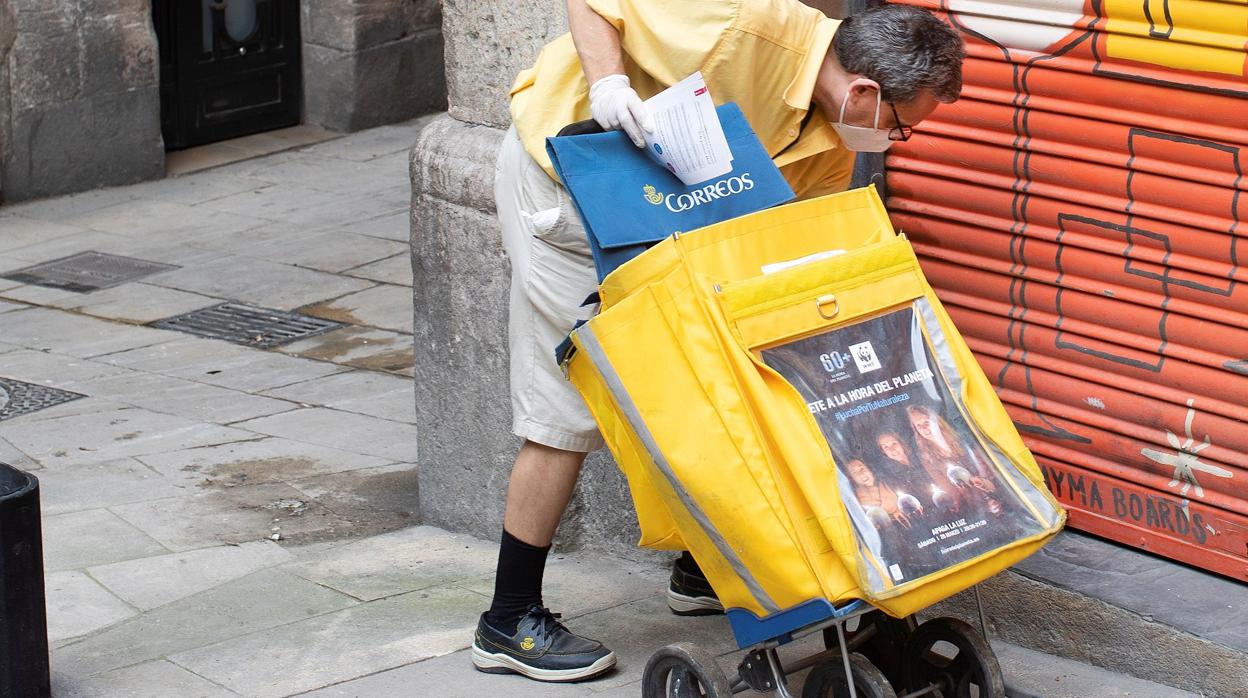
683,670
885,645
827,680
951,655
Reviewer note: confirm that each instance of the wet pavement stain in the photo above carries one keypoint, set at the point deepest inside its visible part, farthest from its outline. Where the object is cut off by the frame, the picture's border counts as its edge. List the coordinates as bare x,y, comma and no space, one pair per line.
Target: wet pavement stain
361,348
327,311
255,471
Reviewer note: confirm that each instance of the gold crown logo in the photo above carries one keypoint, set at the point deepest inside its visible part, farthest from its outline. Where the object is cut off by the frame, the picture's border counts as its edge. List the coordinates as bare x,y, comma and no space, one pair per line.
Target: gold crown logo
527,644
652,195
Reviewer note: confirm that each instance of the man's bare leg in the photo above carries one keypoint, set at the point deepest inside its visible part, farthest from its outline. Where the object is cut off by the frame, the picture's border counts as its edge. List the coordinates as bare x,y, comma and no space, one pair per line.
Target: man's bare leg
542,481
518,634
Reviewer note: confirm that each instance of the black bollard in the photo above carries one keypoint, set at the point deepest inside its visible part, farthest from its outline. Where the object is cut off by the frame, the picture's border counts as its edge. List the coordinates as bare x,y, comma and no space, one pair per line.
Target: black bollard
24,669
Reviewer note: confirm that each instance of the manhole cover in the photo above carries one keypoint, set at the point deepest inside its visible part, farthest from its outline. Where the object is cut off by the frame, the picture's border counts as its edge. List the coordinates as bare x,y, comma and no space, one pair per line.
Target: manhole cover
243,324
18,398
87,271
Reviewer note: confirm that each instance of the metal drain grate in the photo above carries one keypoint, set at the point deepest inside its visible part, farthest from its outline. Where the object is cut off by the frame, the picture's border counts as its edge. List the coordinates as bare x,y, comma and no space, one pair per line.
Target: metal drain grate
18,398
243,324
87,271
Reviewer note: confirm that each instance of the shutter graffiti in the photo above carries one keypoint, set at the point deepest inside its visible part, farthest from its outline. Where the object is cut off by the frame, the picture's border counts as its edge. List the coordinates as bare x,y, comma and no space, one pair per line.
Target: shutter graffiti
1081,211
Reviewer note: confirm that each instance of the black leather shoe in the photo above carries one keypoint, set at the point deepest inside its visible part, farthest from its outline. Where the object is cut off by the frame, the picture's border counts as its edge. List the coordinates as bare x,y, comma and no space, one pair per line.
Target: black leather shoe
541,649
689,594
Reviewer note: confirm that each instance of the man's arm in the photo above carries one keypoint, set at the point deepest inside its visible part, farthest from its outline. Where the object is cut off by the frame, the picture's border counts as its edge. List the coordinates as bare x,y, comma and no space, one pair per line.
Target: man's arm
612,101
597,42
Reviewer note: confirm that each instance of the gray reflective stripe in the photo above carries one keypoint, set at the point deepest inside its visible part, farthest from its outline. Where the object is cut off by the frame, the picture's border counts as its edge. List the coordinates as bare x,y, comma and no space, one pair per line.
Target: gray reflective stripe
940,346
624,402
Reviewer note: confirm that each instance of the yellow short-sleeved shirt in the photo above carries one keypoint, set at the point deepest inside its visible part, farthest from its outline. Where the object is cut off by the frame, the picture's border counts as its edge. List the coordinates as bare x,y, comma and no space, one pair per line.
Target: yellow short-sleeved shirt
762,54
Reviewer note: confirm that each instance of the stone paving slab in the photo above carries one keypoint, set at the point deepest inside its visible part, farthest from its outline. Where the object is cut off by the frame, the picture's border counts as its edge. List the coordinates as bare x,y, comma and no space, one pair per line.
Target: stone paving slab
235,609
19,231
353,642
137,303
633,630
74,408
99,485
169,251
204,186
377,500
208,403
373,143
346,430
401,562
1031,674
259,282
231,243
33,294
384,306
334,251
222,364
395,225
77,335
258,461
392,270
366,392
233,515
65,207
6,306
275,202
16,457
167,220
360,347
77,605
56,370
1201,603
333,212
97,537
151,582
362,179
107,434
158,679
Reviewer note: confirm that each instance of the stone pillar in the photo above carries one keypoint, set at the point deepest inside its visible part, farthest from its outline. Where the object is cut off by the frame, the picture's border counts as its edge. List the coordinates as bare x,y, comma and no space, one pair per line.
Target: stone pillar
371,62
80,96
460,286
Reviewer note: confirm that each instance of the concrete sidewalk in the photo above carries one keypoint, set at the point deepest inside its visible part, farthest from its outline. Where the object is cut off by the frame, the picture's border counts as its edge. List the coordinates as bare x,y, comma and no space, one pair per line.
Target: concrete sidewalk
223,520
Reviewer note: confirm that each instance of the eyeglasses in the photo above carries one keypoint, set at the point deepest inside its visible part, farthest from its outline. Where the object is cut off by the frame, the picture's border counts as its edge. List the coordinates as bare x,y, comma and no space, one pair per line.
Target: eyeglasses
899,132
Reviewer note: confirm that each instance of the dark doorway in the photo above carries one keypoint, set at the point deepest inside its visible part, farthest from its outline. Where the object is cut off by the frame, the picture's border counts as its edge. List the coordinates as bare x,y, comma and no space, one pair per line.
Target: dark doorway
228,68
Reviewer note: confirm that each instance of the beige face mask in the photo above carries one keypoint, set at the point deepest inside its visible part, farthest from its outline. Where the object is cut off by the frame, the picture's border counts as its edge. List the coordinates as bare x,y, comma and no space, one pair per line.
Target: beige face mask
861,139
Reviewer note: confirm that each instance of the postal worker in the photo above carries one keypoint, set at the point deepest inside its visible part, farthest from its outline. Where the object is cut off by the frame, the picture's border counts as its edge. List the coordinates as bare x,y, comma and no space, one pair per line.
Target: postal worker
815,91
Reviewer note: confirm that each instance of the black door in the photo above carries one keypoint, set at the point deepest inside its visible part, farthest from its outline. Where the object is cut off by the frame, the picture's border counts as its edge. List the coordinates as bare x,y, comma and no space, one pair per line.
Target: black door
227,68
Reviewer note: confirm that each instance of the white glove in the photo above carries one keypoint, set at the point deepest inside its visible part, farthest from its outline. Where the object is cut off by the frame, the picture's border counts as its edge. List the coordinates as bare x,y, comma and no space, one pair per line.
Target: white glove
616,106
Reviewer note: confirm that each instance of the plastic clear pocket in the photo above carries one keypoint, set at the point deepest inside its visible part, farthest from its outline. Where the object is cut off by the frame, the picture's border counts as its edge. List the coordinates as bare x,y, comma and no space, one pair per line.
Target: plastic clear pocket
923,487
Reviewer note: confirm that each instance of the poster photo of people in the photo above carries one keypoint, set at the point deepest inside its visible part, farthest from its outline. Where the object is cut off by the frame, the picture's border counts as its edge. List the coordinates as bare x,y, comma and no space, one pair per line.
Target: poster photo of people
923,491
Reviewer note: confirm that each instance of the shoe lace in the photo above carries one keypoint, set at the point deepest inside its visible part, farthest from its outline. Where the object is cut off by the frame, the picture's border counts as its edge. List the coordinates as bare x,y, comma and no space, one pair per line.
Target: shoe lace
545,619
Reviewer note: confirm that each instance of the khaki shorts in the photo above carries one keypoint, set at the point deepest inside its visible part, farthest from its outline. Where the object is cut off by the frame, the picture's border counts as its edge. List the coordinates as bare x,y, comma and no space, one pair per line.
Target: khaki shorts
552,272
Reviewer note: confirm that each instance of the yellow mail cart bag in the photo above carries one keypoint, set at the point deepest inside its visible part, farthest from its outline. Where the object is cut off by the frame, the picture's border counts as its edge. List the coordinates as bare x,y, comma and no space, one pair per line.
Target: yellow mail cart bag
789,402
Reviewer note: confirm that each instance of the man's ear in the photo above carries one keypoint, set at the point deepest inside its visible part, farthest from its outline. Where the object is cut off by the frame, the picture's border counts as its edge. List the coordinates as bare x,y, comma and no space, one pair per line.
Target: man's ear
860,86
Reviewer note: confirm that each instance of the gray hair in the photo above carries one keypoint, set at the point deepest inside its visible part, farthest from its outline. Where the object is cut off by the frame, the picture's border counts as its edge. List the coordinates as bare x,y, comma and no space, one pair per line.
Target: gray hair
903,48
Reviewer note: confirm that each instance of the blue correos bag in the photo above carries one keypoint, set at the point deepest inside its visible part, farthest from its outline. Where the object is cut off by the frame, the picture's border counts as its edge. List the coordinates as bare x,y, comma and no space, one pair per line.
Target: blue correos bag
628,202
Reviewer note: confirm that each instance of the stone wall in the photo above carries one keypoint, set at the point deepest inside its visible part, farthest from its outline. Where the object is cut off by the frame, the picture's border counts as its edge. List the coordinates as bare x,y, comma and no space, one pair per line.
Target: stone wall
78,80
80,88
371,62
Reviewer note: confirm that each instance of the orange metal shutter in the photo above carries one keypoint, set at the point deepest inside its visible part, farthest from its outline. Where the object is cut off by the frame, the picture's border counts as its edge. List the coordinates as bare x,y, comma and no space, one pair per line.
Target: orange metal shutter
1082,213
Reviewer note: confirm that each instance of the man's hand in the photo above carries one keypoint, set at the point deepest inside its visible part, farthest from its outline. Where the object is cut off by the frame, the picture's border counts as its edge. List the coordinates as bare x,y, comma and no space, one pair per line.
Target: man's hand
616,106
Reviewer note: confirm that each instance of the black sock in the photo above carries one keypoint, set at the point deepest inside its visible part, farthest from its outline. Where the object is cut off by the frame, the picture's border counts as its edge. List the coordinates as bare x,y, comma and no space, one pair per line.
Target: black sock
517,583
685,563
